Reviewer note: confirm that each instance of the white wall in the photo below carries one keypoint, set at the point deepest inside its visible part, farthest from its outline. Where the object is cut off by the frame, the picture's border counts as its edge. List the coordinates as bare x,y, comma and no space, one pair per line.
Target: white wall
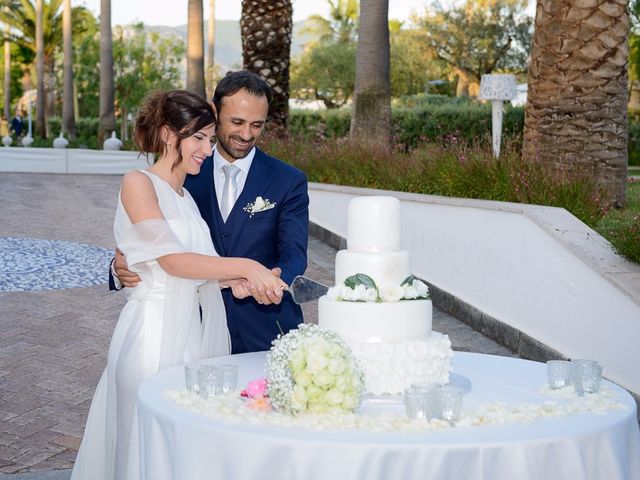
62,160
537,269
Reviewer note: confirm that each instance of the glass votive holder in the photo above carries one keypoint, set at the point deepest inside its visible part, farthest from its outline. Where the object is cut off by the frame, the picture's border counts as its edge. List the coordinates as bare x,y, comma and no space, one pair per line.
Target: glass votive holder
559,373
227,378
418,401
449,402
209,380
191,376
587,375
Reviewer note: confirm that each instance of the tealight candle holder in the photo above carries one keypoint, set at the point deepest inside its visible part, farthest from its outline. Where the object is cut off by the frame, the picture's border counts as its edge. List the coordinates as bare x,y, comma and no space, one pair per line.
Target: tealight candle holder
559,373
587,376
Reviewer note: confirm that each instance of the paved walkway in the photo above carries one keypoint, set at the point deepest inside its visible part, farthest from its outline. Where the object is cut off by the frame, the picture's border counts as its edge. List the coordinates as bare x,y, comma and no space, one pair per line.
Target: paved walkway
54,343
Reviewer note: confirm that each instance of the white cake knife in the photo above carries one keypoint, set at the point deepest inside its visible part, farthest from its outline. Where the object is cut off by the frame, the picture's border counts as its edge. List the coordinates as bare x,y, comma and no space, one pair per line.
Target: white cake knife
303,289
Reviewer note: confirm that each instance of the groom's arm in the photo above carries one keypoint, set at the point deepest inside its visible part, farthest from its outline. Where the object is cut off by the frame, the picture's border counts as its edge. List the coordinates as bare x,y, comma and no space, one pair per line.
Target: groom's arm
293,229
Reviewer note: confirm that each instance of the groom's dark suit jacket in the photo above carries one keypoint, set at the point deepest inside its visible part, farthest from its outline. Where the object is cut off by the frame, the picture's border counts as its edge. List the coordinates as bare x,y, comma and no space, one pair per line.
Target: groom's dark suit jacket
275,238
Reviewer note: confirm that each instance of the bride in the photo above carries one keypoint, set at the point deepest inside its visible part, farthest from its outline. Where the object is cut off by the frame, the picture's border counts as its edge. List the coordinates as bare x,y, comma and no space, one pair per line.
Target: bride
175,314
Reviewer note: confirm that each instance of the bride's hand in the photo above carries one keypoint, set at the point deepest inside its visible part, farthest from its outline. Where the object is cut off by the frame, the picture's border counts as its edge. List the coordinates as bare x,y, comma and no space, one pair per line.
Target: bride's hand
265,285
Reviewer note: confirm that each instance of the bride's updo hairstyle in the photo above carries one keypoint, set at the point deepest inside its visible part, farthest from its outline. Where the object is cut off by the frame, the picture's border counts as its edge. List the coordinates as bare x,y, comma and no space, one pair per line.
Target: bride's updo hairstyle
181,111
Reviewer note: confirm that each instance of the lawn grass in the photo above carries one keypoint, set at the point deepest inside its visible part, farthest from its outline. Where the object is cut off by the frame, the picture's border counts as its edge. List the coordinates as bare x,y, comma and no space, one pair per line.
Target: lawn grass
622,226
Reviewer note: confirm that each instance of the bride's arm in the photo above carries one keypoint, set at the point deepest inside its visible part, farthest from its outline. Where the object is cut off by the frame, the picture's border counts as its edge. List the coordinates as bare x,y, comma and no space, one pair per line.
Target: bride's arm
141,203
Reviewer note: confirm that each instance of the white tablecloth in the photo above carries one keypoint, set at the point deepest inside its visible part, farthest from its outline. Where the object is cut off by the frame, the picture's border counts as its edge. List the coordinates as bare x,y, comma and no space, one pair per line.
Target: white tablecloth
178,444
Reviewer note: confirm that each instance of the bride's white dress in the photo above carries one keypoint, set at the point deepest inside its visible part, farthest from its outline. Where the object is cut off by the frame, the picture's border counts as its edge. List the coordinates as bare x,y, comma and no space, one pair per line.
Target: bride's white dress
160,326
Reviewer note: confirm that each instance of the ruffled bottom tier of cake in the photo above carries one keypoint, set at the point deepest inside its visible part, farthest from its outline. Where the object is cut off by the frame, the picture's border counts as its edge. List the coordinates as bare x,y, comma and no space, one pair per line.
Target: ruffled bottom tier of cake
390,368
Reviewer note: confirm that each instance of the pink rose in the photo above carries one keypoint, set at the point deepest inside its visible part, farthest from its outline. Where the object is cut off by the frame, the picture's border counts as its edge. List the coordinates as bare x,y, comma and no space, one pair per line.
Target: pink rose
256,388
260,404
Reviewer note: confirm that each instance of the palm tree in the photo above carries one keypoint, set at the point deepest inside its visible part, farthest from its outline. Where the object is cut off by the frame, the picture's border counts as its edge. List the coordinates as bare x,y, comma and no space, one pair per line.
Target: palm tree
107,89
195,48
341,26
7,72
41,122
211,40
21,16
576,112
371,114
265,28
68,117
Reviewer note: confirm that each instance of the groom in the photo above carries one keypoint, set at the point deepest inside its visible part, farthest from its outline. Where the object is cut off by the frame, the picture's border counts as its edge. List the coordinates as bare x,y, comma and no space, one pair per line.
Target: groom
228,191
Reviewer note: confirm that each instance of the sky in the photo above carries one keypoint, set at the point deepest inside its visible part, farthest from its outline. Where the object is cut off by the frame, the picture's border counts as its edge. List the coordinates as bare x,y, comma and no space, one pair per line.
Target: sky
174,12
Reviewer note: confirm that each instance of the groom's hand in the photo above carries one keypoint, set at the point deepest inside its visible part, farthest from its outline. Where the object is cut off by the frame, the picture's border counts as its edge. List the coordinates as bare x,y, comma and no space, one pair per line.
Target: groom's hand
127,278
239,288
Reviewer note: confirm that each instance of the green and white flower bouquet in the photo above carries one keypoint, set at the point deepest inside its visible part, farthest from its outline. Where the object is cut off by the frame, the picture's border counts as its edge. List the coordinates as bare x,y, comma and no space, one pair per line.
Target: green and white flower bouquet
312,370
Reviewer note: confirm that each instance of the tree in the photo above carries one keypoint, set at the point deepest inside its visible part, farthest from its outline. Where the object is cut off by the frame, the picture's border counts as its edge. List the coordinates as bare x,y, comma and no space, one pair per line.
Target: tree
266,27
21,16
86,70
634,55
371,115
41,121
195,48
144,62
576,112
107,91
412,65
478,37
211,41
68,117
7,72
325,72
340,27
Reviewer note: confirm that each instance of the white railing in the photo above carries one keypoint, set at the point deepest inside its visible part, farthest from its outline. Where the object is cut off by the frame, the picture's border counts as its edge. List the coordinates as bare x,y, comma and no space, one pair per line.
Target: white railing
537,269
62,160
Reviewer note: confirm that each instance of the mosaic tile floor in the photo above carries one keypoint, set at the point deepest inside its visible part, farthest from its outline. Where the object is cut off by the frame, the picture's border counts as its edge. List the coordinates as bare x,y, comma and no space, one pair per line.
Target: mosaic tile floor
34,264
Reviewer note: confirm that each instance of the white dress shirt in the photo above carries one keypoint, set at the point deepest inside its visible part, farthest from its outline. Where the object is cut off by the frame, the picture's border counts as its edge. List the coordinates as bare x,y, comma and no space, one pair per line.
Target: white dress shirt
244,164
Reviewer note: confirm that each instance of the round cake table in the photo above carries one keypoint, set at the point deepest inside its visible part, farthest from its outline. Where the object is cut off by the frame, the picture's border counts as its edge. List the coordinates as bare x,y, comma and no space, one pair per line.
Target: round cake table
178,444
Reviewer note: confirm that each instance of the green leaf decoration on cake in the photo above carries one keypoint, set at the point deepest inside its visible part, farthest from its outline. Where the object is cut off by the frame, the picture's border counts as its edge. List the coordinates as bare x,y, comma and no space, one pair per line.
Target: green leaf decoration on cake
409,280
360,279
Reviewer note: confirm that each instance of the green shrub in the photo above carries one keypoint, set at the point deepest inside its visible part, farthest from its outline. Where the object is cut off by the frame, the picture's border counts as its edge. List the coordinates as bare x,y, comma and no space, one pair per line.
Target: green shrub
429,99
86,132
634,141
457,170
433,121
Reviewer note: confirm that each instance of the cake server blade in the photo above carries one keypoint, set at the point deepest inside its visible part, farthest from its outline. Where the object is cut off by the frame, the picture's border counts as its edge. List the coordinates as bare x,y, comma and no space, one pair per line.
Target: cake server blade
303,289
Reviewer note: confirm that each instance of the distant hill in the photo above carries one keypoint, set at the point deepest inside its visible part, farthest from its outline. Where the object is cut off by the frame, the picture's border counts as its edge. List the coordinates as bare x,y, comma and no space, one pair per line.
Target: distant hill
228,46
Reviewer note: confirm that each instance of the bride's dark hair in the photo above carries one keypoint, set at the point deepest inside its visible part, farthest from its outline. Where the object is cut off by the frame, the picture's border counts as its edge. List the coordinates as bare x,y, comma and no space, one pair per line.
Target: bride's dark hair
182,111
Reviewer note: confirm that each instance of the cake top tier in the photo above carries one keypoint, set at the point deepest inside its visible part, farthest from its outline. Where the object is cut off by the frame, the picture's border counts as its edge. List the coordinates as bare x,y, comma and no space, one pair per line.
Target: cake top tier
373,224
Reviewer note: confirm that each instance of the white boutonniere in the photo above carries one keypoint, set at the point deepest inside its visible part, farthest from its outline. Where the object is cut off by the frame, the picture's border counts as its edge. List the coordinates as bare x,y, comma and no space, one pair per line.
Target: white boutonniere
258,205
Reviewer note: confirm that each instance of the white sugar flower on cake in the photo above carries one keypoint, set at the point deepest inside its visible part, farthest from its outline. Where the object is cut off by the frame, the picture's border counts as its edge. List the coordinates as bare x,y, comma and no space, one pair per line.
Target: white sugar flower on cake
362,288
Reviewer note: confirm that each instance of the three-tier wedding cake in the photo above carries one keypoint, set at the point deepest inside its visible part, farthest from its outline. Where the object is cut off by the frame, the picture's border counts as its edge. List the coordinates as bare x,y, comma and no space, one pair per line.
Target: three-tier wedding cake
381,310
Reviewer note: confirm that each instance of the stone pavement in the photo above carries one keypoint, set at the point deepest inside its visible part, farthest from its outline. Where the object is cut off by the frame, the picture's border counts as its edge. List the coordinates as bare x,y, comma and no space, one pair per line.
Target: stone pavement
54,343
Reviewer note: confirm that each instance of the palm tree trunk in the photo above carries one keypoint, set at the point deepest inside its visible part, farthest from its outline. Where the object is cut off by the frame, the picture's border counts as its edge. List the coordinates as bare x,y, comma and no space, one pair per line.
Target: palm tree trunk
195,48
107,92
41,126
576,112
266,27
211,41
68,118
7,74
371,114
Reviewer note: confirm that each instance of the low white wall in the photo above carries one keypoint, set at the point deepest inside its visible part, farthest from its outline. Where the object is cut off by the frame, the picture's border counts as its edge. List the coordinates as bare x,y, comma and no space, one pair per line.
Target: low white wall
62,160
537,269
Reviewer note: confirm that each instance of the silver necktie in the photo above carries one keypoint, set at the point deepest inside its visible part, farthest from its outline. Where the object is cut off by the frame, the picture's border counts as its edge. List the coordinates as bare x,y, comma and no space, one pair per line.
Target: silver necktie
230,190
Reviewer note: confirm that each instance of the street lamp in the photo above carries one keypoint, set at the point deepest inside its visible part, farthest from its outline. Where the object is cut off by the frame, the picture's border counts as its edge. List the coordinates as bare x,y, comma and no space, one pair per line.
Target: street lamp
497,88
